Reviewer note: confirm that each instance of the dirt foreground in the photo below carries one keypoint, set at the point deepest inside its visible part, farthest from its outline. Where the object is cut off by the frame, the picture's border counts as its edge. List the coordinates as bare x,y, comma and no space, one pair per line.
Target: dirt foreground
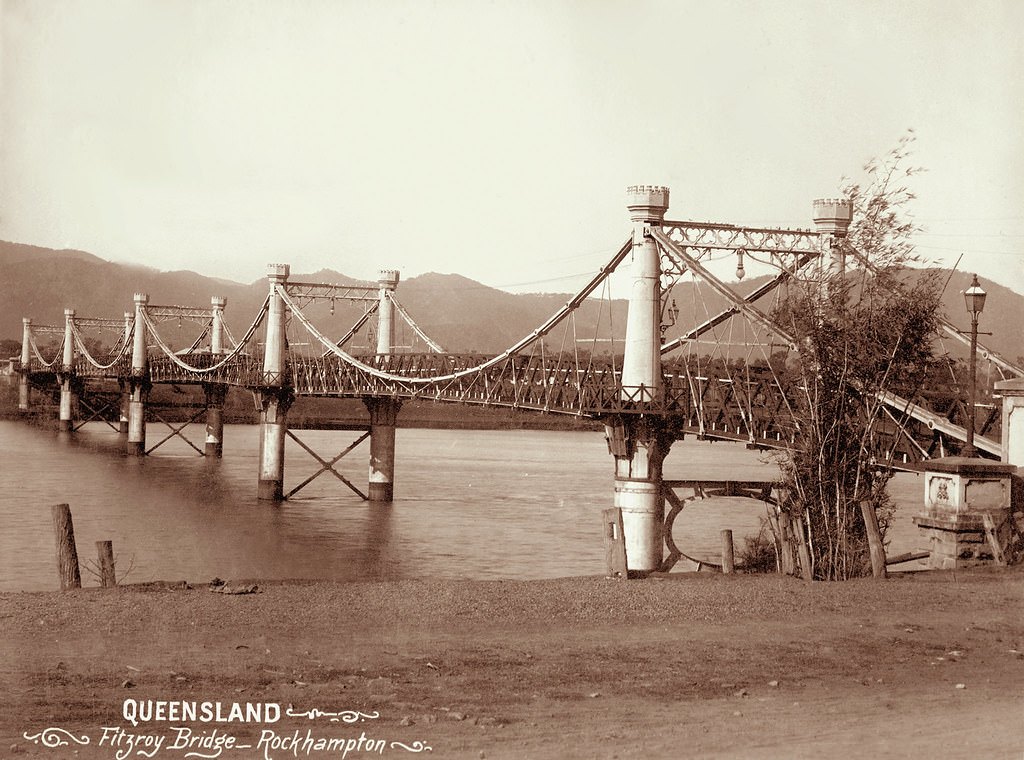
686,666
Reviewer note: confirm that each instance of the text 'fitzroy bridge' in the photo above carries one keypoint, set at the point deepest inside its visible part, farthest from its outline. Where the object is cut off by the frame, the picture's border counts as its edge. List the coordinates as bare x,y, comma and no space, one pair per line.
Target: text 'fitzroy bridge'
714,374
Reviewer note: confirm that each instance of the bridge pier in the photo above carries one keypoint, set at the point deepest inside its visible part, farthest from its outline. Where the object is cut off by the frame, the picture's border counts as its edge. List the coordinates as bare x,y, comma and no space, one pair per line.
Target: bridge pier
276,395
215,392
383,411
68,401
273,430
138,383
215,395
24,386
122,422
640,445
383,415
639,441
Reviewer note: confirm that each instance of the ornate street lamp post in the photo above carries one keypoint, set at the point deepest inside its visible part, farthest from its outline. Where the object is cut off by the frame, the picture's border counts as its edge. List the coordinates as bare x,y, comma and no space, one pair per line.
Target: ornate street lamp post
974,296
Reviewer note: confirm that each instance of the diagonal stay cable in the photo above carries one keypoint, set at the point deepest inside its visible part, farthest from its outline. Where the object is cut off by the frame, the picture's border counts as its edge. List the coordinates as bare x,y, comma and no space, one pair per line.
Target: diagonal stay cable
356,327
409,320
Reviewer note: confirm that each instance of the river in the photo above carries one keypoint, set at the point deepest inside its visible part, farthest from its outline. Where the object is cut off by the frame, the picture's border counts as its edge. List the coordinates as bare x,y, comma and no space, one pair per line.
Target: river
478,504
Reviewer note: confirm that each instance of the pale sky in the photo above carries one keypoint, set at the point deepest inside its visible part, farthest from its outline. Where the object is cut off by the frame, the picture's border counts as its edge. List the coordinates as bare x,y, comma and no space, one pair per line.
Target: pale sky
492,139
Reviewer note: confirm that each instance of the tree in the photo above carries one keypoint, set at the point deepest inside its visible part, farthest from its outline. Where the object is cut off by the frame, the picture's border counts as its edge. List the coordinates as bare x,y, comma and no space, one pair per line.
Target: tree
861,330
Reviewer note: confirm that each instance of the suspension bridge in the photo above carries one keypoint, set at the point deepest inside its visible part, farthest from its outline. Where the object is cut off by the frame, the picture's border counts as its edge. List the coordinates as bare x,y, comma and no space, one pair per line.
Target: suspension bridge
667,372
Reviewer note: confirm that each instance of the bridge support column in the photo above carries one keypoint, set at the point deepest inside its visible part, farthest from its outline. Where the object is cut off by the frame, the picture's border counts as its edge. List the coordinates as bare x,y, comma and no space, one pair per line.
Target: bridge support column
383,416
640,446
68,402
273,430
122,422
638,441
215,392
138,382
24,386
277,396
215,395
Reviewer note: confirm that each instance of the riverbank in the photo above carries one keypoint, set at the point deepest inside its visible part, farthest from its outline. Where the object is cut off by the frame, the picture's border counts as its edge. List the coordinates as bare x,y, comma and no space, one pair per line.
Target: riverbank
690,665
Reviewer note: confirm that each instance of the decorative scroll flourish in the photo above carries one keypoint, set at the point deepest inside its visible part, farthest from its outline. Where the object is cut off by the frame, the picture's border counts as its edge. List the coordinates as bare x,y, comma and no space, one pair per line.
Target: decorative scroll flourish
345,716
56,737
416,746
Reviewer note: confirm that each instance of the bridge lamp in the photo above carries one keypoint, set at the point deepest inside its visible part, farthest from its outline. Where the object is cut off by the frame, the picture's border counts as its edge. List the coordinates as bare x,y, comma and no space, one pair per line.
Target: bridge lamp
671,315
974,296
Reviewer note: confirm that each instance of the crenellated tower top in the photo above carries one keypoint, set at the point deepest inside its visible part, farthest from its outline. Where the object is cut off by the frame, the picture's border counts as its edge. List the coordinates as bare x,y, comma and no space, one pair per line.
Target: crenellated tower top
647,203
833,215
388,278
278,271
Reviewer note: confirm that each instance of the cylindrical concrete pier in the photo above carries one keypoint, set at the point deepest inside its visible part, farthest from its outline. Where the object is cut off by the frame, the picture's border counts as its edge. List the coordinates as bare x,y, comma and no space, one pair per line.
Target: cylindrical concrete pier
383,416
24,387
641,365
643,518
273,428
640,442
138,382
215,392
124,388
383,411
66,417
276,399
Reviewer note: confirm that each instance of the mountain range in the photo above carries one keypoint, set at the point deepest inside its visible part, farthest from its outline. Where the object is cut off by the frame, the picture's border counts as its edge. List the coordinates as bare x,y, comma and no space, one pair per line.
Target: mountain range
461,314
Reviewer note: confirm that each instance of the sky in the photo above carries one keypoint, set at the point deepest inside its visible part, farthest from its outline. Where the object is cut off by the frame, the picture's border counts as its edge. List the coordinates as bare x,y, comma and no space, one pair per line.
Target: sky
493,139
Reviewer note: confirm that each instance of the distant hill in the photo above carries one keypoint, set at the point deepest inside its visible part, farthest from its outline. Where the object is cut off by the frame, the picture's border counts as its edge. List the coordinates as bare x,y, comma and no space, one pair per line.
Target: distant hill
462,314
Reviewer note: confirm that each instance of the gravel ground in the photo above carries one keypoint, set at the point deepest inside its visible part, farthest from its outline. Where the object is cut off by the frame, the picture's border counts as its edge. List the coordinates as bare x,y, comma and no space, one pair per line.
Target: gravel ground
739,666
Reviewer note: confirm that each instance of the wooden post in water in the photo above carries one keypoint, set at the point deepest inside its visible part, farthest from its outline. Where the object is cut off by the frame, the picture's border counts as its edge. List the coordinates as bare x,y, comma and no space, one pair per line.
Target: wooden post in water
67,554
105,552
728,560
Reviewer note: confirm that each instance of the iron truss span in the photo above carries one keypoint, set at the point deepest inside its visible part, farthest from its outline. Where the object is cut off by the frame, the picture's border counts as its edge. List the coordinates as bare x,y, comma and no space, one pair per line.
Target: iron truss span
718,406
